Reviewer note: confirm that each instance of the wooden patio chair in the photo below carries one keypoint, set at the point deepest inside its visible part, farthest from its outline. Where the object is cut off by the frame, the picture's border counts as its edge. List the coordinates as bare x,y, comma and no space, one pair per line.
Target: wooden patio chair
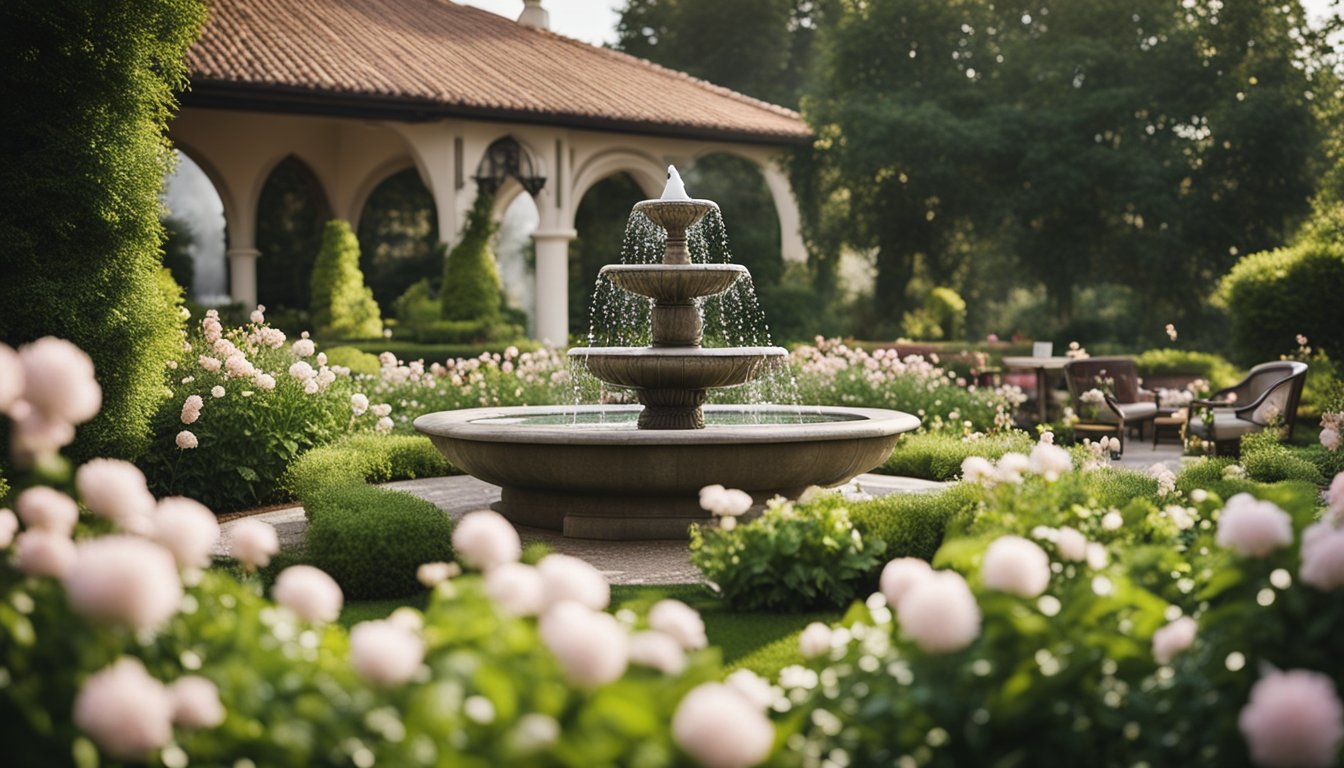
1269,394
1125,404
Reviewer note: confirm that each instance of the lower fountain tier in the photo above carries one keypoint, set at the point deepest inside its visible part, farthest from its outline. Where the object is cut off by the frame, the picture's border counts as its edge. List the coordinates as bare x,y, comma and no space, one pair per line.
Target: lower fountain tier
669,368
588,472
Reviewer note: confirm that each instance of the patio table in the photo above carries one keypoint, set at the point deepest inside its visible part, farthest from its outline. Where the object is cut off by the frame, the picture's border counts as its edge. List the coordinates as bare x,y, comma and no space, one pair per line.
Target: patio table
1043,366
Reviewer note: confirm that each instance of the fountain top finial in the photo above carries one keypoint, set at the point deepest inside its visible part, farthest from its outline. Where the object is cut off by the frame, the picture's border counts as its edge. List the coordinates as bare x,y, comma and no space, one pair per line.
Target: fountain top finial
675,189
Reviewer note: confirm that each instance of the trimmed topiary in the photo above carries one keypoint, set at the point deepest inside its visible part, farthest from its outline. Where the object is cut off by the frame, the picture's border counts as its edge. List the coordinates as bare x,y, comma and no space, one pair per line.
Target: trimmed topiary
88,91
358,459
938,455
342,307
471,286
913,524
1273,296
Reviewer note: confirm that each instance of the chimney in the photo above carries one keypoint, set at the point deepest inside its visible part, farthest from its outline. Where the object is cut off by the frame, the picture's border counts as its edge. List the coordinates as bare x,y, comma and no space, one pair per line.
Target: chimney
534,15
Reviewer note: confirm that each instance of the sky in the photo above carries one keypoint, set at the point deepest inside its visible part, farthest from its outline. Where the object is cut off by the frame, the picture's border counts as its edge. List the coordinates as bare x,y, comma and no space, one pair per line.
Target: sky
594,21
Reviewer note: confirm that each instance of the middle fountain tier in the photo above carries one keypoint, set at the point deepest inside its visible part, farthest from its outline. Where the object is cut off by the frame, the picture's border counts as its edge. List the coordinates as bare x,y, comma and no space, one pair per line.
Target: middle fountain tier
672,378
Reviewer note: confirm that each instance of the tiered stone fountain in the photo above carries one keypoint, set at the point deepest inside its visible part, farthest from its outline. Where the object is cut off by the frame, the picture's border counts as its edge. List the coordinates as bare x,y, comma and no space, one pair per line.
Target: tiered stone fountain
626,472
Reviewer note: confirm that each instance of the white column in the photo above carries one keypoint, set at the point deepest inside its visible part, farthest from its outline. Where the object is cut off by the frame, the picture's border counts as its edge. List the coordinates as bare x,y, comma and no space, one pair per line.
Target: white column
553,285
243,276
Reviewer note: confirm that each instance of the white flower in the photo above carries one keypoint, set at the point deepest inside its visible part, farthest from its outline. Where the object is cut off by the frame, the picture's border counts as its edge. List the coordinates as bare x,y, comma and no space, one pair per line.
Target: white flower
58,380
258,315
211,364
239,367
755,688
516,588
1112,521
9,525
565,577
815,640
408,619
724,502
43,553
484,539
1049,461
720,728
591,646
217,391
380,410
186,440
359,403
1071,544
940,614
535,731
900,575
681,621
124,580
432,574
658,651
253,542
302,371
1334,498
976,469
1330,439
125,711
36,434
195,702
1173,638
1323,556
1010,468
116,490
191,409
310,593
1017,566
1294,718
187,529
1097,558
265,381
11,377
383,425
311,387
47,509
303,348
384,653
1252,527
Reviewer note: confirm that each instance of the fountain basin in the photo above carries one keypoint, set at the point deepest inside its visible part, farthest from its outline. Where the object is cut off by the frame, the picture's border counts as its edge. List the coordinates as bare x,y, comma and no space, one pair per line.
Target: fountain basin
588,472
674,367
673,283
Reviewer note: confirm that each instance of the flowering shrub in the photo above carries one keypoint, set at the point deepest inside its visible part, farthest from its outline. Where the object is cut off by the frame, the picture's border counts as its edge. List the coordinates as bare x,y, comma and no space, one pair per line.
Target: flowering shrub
793,557
117,647
245,403
938,456
831,373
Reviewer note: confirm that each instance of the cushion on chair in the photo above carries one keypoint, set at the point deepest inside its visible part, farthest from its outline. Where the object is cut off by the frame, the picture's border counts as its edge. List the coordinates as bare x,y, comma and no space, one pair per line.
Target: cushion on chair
1138,411
1226,426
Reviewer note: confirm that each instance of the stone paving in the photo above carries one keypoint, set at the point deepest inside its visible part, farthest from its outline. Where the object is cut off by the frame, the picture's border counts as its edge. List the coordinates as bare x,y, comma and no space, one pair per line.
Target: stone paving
631,562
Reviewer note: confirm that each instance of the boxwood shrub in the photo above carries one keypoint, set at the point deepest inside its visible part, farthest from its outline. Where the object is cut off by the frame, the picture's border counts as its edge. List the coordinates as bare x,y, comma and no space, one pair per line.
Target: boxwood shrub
1272,296
938,455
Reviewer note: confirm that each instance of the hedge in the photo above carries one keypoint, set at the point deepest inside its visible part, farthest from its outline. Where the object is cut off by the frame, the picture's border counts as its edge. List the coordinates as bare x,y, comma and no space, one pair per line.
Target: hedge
341,305
1272,296
913,524
938,456
471,286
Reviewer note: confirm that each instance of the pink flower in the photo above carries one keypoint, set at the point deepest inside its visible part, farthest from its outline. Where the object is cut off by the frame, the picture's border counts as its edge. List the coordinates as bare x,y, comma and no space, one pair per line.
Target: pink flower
265,381
1293,718
1173,638
815,640
940,614
752,686
124,580
385,653
43,553
565,577
195,702
591,646
658,651
720,728
433,574
302,371
1016,565
47,509
258,315
1330,439
9,525
186,440
681,621
1334,498
359,403
1252,527
191,409
36,435
253,542
187,529
239,367
901,575
116,490
58,380
1323,556
125,711
485,539
211,364
517,589
303,348
310,593
11,377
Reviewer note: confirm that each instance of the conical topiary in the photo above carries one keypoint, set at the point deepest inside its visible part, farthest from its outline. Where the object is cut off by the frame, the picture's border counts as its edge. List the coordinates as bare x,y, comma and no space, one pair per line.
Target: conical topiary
471,287
342,307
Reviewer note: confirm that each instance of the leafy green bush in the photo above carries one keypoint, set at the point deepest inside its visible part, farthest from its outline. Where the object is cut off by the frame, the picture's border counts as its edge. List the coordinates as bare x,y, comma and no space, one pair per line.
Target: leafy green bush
913,524
1268,461
938,455
471,286
1273,296
942,316
463,332
359,363
791,558
358,459
341,305
88,91
1179,362
371,540
417,305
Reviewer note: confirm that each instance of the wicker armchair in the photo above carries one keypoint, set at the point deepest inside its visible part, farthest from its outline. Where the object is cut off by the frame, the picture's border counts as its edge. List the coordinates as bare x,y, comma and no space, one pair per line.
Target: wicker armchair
1270,392
1124,403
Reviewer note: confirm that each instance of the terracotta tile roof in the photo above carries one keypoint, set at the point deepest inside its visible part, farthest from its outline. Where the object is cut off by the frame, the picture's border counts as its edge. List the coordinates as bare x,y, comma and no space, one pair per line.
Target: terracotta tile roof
423,59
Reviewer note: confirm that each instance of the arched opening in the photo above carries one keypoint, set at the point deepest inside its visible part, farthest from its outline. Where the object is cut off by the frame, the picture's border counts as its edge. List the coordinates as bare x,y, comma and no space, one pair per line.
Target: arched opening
516,256
291,213
600,222
196,227
399,237
749,214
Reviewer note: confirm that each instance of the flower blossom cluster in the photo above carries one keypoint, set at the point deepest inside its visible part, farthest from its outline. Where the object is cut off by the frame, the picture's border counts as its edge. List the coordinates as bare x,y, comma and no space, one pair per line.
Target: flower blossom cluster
1332,427
936,609
47,387
727,504
1046,459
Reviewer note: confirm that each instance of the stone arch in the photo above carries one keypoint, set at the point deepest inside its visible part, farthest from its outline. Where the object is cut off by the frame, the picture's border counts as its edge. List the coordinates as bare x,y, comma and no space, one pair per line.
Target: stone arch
645,169
292,208
201,213
600,218
400,239
792,248
375,178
